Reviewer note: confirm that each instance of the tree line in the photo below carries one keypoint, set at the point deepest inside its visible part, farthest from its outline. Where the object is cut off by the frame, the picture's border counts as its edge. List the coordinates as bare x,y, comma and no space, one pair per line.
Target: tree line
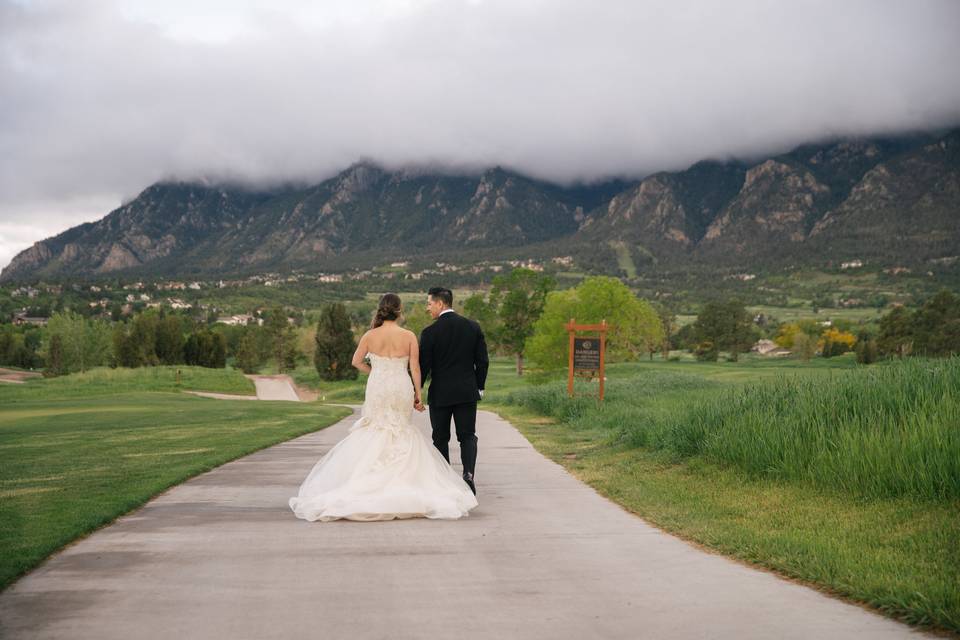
522,315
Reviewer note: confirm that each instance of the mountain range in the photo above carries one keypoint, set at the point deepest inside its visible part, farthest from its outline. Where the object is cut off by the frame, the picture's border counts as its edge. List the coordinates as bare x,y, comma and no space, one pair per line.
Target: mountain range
890,200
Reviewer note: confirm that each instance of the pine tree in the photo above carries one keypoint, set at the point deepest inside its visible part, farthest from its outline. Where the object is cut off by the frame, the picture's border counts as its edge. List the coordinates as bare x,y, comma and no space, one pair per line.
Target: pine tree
335,344
206,348
282,337
727,326
248,353
192,350
216,356
896,332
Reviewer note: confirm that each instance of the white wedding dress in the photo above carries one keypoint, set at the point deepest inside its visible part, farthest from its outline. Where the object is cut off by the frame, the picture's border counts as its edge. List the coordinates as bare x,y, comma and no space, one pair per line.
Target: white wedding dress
385,468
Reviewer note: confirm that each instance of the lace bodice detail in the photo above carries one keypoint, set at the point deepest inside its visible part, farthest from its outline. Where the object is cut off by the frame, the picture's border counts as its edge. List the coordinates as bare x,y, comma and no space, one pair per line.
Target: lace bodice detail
388,361
388,403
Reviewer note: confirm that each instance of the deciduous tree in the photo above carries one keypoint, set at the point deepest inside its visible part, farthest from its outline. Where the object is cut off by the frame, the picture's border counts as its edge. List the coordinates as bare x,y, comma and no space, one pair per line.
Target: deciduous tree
633,322
518,300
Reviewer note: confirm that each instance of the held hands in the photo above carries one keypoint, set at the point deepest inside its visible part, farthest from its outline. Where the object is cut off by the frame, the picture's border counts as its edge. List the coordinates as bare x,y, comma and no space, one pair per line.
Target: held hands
418,404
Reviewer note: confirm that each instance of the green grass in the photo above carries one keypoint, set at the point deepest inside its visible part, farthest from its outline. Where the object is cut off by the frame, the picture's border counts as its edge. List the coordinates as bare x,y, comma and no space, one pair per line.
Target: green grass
339,391
842,477
898,555
882,431
886,431
624,259
104,380
793,314
76,454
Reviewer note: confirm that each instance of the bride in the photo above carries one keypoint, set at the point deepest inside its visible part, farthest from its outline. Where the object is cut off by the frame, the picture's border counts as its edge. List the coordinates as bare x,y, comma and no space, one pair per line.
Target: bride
385,468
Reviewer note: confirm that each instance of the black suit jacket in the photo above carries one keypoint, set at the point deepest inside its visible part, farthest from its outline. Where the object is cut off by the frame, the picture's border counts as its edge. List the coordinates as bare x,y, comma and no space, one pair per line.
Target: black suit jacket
453,353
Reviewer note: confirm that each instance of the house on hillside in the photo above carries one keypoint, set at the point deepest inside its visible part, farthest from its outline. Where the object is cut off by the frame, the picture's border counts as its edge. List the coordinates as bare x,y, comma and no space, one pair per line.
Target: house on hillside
241,319
30,292
769,348
20,318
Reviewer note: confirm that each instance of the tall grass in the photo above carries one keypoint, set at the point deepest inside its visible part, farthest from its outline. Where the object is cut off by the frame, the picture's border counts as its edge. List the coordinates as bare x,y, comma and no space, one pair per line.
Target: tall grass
628,402
882,431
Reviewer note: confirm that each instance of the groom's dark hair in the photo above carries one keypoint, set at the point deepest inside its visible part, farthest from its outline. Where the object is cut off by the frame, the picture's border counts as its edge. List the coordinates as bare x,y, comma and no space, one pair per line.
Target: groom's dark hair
443,295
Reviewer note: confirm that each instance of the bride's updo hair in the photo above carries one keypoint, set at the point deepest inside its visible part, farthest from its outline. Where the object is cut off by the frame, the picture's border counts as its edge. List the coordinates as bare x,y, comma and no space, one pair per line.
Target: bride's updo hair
389,308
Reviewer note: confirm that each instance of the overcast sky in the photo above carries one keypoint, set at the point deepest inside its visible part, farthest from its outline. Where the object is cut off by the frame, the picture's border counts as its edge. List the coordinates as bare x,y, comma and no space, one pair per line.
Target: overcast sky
101,98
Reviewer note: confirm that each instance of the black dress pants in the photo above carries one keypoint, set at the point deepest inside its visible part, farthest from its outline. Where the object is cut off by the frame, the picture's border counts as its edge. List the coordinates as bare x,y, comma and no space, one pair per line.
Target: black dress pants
465,418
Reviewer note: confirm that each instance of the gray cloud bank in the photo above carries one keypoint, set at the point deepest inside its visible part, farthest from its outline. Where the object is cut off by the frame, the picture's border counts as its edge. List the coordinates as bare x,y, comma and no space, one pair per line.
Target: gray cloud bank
95,102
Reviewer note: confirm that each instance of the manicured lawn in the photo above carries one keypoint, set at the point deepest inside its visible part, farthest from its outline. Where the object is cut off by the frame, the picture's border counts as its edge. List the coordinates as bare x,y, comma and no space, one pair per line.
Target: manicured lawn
339,391
77,453
106,381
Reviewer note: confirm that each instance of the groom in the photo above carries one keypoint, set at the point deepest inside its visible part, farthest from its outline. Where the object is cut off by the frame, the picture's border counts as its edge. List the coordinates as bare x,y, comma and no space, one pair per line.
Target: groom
453,353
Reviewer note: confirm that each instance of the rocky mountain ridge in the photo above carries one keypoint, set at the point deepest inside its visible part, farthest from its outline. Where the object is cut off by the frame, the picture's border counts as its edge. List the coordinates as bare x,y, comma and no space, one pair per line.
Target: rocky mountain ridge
887,198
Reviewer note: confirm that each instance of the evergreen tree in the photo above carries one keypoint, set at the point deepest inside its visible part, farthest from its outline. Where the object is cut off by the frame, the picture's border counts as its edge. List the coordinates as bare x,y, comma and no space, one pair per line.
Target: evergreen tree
936,326
205,348
334,344
124,354
727,325
896,332
282,336
192,350
249,356
216,351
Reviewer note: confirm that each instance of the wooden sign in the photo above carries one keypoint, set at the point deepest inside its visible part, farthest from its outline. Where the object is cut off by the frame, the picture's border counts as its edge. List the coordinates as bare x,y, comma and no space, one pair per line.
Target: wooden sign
587,353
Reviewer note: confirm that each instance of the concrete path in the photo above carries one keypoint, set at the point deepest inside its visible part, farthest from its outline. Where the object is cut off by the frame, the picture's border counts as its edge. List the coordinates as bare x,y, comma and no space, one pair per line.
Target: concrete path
220,396
275,388
268,388
543,556
16,375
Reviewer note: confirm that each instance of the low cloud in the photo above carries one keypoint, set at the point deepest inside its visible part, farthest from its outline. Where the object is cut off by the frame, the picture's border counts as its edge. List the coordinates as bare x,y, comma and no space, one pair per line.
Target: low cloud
103,98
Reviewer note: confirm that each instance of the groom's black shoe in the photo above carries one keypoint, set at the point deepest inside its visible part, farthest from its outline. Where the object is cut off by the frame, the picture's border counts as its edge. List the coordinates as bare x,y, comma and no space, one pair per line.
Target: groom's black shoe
468,478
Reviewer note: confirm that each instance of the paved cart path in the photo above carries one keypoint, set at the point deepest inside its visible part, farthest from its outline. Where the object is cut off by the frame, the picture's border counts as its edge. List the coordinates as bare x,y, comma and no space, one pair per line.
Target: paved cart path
268,388
275,388
543,556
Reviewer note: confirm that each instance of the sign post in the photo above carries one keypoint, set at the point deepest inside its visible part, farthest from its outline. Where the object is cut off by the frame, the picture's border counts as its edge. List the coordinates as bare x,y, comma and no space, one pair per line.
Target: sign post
587,354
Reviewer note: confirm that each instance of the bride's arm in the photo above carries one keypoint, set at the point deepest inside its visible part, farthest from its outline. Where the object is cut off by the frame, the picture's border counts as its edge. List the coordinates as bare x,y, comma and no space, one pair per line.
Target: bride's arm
415,368
360,354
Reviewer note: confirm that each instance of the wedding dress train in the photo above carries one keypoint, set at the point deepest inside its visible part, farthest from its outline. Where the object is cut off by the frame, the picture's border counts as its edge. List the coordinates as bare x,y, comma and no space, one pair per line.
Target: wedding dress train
385,468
